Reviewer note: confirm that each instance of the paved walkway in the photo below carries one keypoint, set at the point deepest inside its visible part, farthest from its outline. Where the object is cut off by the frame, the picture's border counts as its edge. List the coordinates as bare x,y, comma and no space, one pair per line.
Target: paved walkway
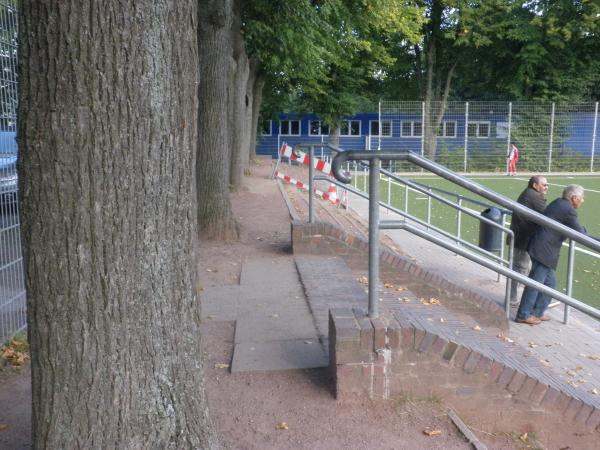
571,351
274,325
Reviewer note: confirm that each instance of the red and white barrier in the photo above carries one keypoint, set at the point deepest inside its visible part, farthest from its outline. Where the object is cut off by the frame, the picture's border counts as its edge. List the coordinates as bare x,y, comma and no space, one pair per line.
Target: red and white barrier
330,195
304,158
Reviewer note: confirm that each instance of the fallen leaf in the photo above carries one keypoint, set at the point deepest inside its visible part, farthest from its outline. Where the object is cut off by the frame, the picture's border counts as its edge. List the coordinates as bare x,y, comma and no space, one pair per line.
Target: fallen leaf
432,432
282,426
400,288
477,328
571,373
221,366
533,345
523,437
388,286
3,426
594,391
594,357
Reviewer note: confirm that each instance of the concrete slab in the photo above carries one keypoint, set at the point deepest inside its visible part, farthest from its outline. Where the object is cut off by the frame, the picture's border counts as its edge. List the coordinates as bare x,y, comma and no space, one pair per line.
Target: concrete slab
274,327
220,303
278,355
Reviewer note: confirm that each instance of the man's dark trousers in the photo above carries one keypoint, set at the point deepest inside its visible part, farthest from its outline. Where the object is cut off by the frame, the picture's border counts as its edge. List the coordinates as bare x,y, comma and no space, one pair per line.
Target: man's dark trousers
533,302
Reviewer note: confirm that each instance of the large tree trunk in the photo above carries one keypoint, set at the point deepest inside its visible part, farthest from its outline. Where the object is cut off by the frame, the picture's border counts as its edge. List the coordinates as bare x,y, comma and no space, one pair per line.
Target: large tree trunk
241,103
107,132
215,44
257,95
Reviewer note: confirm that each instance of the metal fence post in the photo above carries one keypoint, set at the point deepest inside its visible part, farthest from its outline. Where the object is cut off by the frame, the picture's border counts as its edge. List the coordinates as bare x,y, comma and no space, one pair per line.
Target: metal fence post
311,182
508,134
594,137
466,134
422,129
551,137
373,237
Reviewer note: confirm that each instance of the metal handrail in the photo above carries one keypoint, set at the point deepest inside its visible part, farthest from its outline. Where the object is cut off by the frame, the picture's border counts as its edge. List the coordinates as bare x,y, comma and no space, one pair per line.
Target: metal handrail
438,230
374,158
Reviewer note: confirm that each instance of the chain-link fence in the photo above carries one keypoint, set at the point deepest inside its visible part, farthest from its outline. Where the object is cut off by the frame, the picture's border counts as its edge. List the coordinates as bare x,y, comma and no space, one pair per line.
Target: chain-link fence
477,136
12,288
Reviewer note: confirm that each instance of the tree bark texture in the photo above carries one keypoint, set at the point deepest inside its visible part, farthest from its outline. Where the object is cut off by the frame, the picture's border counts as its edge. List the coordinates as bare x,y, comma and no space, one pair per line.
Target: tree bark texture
107,135
241,103
258,84
215,44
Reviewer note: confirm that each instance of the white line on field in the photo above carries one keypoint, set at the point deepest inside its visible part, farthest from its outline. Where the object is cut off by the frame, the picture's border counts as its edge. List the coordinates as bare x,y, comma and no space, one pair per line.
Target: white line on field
525,180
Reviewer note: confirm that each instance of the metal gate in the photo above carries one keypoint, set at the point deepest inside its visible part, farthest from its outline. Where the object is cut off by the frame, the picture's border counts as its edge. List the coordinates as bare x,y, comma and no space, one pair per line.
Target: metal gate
13,316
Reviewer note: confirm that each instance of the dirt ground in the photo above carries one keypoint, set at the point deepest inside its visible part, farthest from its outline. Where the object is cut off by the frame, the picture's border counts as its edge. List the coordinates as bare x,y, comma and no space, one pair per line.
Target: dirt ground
292,409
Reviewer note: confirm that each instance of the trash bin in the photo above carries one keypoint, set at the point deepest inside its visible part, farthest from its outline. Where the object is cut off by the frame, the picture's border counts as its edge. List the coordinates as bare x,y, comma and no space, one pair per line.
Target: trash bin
490,238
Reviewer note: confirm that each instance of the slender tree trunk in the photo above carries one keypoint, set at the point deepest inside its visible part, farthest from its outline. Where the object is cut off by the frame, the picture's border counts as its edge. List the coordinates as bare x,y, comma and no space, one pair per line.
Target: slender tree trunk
257,95
215,44
241,103
334,136
107,133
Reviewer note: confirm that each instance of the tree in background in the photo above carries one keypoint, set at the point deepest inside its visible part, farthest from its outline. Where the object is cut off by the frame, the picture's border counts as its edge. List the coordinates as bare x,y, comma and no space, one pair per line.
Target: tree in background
107,134
216,125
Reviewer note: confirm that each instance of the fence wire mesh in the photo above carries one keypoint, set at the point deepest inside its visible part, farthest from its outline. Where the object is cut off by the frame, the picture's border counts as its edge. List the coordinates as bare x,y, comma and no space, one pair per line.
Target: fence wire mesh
476,136
12,288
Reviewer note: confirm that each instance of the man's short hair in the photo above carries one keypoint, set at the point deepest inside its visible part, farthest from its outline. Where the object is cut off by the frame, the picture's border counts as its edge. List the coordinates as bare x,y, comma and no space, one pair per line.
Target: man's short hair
534,180
571,190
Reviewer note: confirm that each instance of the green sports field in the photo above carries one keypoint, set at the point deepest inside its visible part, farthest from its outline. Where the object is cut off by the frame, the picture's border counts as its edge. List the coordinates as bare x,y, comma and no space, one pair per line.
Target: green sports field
586,269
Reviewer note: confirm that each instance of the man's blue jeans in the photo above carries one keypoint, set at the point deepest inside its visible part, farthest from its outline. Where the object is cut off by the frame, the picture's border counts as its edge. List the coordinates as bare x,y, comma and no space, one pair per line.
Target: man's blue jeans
533,302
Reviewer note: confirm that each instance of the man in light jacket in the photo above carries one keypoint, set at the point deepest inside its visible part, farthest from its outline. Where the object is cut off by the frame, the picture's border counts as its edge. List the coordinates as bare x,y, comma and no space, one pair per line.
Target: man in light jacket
544,250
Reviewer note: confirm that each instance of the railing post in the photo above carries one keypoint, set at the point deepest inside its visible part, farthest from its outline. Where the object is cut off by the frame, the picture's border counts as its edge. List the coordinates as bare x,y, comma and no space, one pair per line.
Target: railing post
551,137
459,220
389,192
428,208
594,137
311,182
373,237
570,265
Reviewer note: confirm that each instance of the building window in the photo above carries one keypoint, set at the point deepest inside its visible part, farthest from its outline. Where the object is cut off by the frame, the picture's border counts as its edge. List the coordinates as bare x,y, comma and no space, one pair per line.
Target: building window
447,129
411,129
318,128
479,130
386,128
501,130
289,127
266,128
350,128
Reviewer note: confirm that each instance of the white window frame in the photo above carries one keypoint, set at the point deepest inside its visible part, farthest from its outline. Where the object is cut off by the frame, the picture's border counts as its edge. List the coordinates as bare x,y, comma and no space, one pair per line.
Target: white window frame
412,129
371,122
290,127
310,133
349,127
477,134
444,129
270,133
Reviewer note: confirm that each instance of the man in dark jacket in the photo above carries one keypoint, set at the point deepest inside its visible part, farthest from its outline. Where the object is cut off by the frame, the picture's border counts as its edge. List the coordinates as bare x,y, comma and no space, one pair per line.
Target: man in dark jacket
534,197
544,249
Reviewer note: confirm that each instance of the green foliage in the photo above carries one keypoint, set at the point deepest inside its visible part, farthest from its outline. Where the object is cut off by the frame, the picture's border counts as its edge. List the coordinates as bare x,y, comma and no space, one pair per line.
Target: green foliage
324,56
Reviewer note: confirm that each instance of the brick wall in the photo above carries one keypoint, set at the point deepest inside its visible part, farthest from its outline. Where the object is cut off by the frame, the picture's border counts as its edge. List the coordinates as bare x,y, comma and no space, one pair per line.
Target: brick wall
384,358
327,239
